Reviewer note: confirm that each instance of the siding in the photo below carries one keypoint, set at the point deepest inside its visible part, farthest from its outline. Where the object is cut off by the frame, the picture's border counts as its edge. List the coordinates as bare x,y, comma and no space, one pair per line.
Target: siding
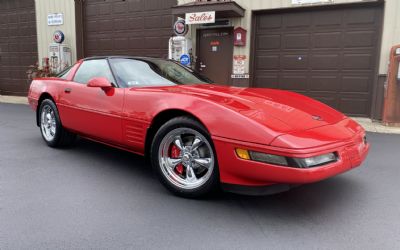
390,37
45,32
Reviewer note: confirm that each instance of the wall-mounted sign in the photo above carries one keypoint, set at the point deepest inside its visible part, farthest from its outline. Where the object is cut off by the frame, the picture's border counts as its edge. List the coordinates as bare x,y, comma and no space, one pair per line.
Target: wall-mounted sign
243,76
239,36
180,27
58,36
238,64
55,19
200,17
185,59
297,2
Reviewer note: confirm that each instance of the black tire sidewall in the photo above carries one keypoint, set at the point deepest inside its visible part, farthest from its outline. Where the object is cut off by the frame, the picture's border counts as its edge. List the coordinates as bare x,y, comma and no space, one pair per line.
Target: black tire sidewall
56,139
184,122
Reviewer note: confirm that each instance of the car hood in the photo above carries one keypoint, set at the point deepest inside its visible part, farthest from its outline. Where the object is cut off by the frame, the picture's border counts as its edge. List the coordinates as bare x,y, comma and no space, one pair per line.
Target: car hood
280,110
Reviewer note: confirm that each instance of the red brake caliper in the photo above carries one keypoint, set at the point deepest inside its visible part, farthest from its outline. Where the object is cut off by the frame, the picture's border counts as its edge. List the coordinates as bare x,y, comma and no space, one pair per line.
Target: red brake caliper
174,153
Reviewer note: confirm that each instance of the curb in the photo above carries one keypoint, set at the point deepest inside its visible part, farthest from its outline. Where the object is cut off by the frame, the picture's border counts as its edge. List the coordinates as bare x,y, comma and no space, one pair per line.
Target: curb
376,127
13,99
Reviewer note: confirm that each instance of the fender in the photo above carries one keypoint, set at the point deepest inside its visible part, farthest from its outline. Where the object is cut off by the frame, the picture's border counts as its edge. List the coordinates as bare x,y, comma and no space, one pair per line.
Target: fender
142,105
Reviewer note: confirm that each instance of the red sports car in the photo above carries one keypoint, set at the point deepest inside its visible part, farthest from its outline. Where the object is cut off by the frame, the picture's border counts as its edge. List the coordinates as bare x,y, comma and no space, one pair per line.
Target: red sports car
199,136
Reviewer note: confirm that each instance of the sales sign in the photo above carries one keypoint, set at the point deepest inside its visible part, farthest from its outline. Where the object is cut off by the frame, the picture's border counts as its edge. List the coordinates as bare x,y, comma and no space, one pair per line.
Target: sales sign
200,17
55,19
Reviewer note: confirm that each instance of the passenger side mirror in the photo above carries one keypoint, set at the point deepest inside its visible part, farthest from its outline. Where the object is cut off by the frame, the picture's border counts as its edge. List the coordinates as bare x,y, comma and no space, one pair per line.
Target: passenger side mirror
99,82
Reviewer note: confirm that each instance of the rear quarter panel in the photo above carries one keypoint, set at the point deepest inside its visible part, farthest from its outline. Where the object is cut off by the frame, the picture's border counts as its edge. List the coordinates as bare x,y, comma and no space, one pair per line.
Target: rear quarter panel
45,86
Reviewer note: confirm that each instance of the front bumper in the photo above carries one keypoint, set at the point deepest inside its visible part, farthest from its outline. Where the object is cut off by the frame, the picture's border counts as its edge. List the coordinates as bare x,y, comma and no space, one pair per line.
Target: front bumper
234,170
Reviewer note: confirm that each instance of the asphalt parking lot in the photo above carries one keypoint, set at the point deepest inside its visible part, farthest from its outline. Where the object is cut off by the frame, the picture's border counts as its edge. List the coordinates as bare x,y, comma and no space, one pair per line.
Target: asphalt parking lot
93,196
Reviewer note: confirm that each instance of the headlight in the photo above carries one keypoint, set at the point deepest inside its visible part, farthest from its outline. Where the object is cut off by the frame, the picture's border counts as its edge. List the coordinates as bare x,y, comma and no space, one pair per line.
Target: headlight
316,160
286,161
268,158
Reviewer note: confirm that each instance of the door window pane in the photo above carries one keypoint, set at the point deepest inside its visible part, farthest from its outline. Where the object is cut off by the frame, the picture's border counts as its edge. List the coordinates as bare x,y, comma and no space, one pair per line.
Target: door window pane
93,68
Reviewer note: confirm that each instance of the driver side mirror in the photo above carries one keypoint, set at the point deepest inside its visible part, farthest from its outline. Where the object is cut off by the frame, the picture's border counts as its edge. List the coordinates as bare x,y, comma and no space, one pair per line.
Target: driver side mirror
99,82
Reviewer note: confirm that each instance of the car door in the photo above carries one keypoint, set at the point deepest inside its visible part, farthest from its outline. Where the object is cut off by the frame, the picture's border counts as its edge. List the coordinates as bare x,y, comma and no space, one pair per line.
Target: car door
92,111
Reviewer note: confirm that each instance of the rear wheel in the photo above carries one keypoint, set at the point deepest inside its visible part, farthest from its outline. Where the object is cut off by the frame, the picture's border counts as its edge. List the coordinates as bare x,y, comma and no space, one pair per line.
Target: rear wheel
50,126
184,158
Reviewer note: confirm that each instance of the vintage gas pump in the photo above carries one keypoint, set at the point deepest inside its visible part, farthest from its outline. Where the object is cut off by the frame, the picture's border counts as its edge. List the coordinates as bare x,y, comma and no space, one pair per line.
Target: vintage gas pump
391,110
180,47
60,56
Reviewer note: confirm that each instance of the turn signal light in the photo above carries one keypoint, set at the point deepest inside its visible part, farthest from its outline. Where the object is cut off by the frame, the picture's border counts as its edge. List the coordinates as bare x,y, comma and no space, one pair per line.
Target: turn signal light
242,154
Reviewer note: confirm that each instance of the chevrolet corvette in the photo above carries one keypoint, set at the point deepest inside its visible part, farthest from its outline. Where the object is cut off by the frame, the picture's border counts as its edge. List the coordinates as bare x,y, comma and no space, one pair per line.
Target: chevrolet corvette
198,136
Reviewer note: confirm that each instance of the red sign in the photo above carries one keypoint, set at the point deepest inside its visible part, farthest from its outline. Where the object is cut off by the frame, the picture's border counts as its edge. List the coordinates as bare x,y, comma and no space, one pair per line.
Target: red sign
58,36
180,27
239,35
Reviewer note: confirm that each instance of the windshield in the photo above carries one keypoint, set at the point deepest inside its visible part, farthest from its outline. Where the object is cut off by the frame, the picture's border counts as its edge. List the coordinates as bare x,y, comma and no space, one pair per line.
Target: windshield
153,72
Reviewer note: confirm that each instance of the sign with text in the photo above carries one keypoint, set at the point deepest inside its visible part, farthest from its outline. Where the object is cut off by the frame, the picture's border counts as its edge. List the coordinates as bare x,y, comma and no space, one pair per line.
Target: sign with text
55,19
200,17
239,64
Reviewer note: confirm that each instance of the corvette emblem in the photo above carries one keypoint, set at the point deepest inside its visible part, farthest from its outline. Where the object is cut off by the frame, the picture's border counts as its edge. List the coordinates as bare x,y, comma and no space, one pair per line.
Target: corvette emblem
317,117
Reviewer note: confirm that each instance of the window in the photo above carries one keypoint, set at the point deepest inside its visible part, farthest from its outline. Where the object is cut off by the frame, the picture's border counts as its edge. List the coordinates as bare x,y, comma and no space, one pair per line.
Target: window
153,72
93,68
64,74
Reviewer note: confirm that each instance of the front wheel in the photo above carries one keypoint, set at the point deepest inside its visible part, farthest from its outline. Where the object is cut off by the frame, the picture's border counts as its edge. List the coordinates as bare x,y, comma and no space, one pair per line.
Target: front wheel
51,128
184,158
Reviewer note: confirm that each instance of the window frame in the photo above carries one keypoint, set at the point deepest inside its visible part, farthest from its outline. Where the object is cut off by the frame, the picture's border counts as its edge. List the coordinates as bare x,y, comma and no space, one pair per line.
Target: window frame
144,60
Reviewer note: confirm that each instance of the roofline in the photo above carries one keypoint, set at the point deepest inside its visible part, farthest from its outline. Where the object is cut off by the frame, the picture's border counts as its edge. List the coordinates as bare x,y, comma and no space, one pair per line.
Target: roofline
120,56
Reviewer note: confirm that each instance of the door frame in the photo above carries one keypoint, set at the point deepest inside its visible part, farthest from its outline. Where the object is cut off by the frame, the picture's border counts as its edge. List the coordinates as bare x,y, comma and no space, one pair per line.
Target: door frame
378,3
198,37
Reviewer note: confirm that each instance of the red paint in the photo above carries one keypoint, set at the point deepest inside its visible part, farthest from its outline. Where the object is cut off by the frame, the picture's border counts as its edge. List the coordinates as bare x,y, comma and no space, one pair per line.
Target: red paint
265,120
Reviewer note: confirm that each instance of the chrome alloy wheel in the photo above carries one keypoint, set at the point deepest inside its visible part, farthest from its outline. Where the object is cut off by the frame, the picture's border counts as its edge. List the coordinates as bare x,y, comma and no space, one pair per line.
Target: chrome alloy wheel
48,123
186,158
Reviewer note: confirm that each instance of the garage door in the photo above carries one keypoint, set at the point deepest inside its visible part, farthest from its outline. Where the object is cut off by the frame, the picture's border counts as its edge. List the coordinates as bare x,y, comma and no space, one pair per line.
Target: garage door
329,54
18,45
127,27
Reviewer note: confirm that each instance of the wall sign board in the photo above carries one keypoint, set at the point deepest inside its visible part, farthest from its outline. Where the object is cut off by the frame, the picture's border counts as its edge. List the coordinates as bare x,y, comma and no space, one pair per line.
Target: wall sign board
55,19
200,17
238,64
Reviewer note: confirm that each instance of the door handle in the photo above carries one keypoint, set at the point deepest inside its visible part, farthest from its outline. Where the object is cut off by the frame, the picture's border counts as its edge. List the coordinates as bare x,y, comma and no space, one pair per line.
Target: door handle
67,90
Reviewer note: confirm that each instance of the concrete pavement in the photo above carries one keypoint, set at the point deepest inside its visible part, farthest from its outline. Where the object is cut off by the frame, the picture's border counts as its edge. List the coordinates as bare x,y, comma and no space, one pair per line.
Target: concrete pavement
94,197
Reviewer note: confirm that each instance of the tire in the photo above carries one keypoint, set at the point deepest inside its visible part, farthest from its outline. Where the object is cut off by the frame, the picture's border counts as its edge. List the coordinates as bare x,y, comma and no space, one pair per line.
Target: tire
184,159
51,128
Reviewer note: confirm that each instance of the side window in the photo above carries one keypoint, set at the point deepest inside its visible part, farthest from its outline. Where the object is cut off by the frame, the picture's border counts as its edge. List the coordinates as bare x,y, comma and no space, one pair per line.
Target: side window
93,68
64,74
